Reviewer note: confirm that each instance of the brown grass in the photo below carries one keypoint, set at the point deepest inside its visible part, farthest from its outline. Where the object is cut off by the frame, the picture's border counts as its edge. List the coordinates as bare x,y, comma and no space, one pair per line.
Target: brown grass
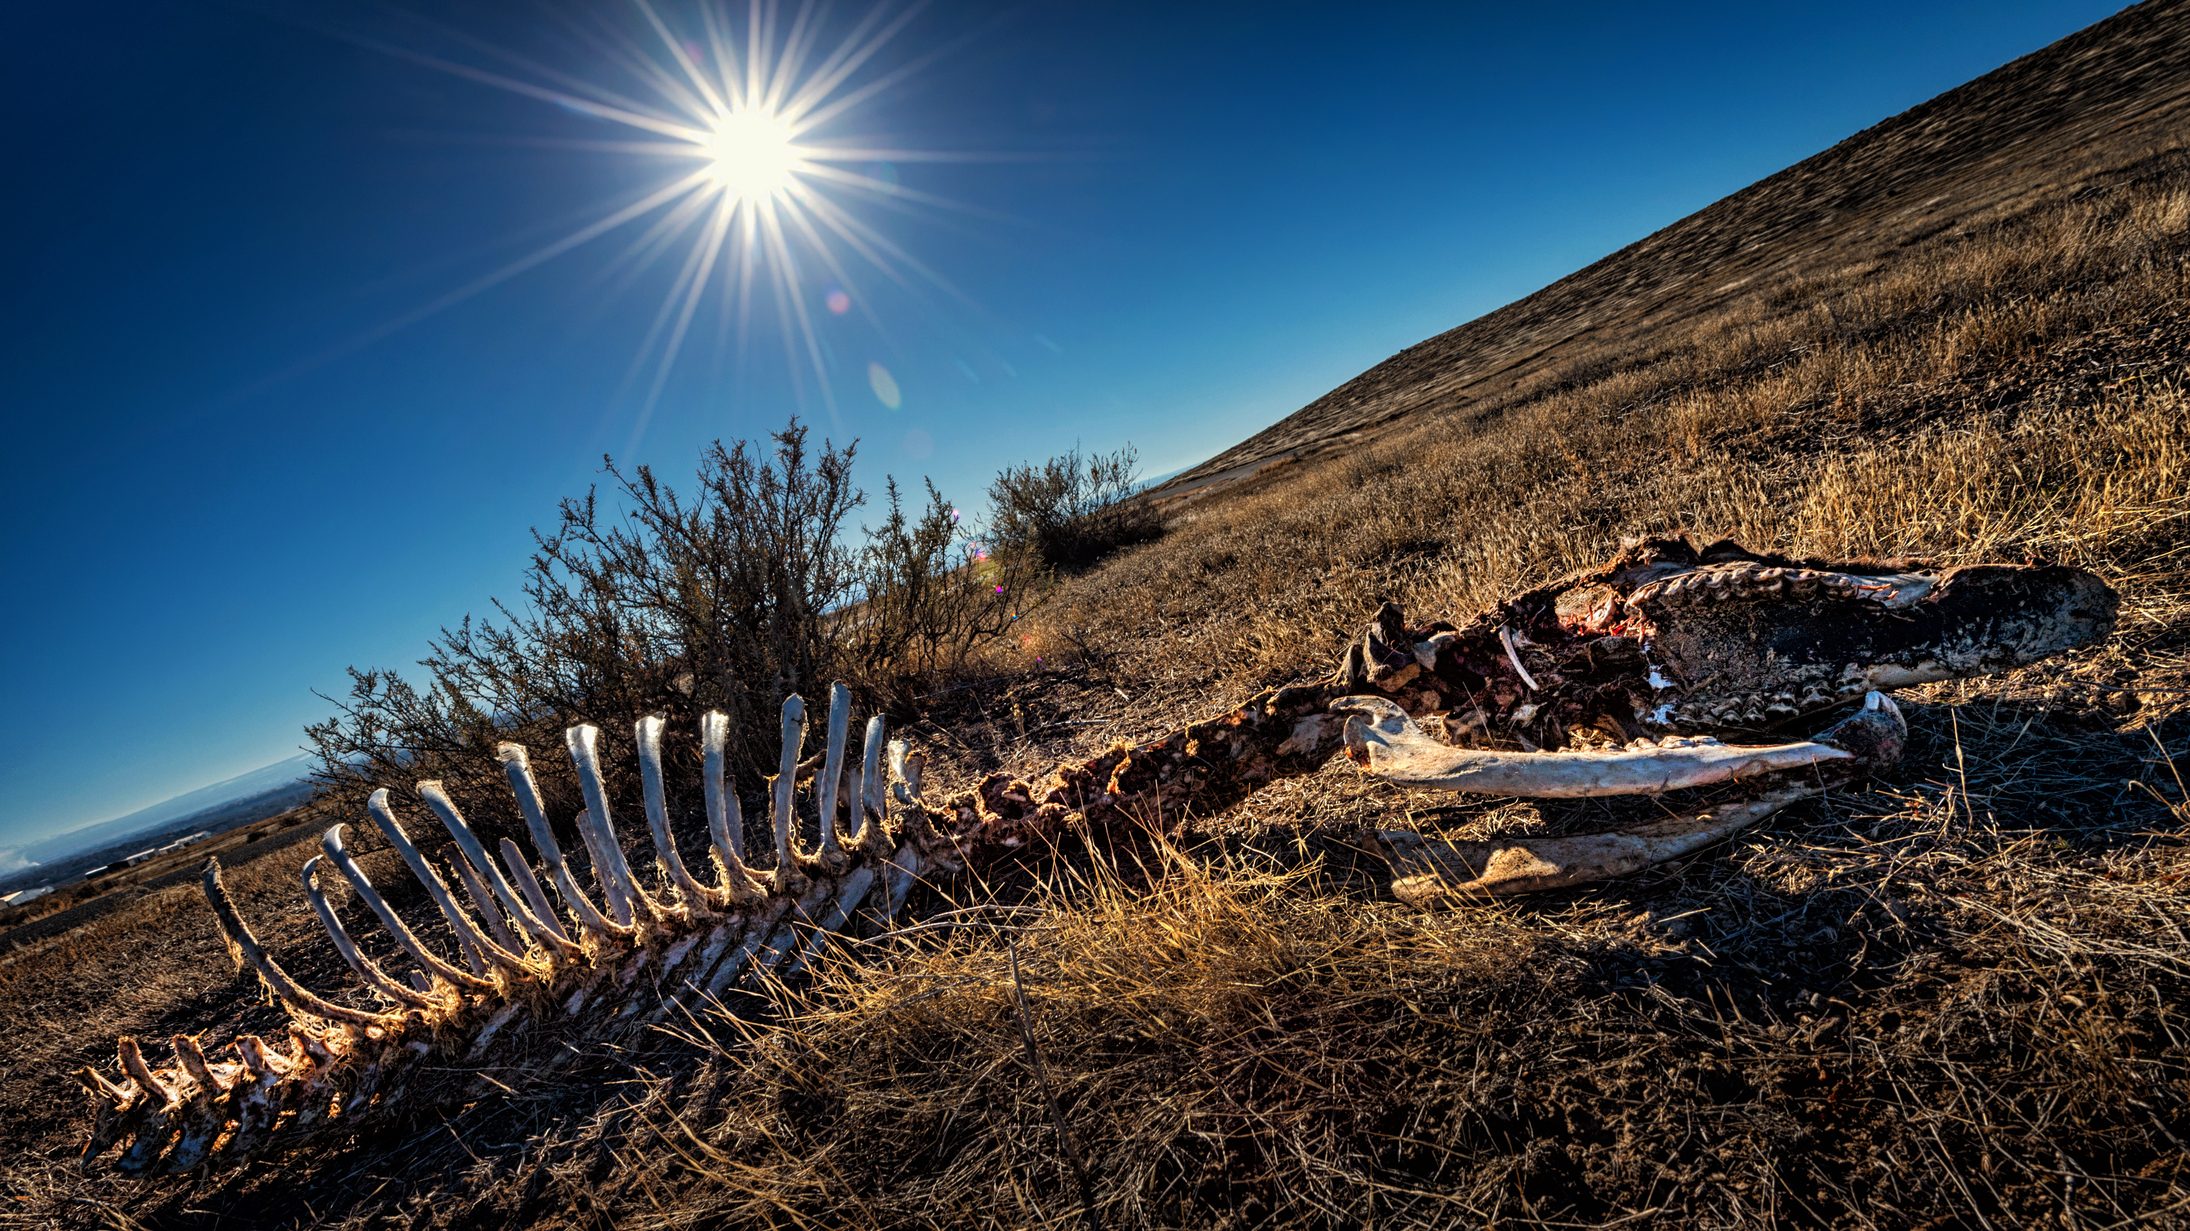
1952,998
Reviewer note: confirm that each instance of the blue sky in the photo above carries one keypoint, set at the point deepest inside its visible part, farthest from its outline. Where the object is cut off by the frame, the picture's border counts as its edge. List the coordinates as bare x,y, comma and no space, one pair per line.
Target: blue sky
237,464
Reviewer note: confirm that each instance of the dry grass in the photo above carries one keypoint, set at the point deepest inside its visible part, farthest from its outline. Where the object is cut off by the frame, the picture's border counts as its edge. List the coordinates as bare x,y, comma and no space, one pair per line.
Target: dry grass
1953,998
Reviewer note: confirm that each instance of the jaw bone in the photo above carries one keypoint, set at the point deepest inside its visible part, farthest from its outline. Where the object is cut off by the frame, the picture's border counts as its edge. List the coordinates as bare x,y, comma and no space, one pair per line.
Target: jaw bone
1430,870
1384,739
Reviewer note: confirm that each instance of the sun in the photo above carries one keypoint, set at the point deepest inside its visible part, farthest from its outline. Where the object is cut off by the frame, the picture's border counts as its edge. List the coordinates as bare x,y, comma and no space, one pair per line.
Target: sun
766,187
753,155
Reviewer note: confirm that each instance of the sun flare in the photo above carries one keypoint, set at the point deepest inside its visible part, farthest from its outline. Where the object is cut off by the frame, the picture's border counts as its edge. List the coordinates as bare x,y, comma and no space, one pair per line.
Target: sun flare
766,185
753,155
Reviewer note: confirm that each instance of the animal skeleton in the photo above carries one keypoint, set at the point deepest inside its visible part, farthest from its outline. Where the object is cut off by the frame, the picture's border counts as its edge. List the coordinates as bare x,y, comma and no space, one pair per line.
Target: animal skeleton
1615,681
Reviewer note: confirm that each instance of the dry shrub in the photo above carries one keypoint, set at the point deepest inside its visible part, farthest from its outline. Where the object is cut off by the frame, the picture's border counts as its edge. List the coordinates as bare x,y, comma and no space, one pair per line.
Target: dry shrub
1073,510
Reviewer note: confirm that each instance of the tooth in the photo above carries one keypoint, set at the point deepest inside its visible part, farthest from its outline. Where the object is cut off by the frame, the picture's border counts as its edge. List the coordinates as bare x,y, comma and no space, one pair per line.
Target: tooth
331,843
648,734
366,968
291,993
610,867
517,766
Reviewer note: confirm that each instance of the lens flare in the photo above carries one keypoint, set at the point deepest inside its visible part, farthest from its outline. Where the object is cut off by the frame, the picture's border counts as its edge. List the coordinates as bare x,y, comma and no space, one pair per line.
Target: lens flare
884,386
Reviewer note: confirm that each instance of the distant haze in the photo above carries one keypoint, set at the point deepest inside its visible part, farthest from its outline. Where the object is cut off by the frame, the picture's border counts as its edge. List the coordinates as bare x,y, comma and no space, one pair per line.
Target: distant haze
285,772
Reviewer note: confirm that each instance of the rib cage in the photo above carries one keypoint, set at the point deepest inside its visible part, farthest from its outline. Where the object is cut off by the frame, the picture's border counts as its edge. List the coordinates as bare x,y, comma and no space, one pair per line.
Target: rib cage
520,961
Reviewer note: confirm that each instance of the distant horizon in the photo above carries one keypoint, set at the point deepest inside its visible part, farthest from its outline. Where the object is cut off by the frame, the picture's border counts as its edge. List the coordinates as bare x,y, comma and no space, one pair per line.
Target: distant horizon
37,841
243,360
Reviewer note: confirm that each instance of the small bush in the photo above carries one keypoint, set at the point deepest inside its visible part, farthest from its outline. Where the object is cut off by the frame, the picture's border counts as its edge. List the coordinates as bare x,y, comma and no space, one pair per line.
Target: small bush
1072,510
751,588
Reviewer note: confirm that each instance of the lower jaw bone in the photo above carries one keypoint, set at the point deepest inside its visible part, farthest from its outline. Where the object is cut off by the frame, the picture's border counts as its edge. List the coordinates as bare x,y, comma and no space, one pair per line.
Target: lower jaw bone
1427,871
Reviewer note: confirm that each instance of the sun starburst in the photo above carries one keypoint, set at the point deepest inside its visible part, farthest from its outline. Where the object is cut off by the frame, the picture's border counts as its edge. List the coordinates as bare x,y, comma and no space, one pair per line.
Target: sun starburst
763,196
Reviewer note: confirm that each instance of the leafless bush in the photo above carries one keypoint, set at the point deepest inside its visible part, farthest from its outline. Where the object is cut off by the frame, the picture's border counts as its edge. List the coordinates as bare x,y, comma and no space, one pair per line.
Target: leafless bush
747,589
931,596
1073,509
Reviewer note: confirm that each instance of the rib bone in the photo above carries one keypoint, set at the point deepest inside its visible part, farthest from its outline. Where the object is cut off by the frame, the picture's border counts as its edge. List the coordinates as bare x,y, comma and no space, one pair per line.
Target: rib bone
331,843
525,913
625,898
469,936
786,785
366,968
649,736
725,820
246,947
517,766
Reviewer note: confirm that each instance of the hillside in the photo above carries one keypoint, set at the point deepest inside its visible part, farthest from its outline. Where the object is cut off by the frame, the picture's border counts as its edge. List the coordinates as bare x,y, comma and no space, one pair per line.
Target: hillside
1949,996
1973,155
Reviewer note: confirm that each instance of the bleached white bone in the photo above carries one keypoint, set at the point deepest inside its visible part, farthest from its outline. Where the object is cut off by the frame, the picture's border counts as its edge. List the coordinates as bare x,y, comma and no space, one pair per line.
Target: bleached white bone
543,911
905,769
906,863
1427,869
625,898
850,892
1513,655
786,785
1386,739
517,766
469,935
725,819
832,766
291,993
648,735
483,908
475,853
758,928
869,810
367,969
331,843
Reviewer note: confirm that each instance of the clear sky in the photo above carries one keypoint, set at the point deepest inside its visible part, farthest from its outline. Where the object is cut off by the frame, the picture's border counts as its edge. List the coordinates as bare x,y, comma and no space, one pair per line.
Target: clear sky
255,433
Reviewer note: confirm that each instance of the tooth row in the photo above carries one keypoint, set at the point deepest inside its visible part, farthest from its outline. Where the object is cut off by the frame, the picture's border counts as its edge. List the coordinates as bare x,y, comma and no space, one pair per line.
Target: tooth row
1727,582
1759,709
694,939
